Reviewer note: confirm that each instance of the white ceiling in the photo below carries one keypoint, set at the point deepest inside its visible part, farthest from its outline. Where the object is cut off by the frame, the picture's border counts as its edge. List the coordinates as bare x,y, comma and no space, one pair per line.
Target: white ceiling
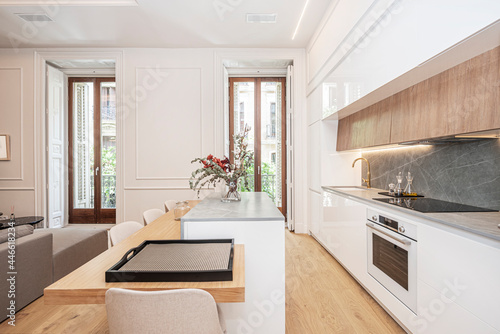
161,23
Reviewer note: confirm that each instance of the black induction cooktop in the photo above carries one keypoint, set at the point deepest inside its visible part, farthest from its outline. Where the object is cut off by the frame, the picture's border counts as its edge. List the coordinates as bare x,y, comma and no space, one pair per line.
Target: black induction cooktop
432,205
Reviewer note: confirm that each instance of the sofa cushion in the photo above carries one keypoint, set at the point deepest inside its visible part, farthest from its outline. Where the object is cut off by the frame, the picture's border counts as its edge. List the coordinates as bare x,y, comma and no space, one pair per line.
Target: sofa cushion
34,270
73,247
21,231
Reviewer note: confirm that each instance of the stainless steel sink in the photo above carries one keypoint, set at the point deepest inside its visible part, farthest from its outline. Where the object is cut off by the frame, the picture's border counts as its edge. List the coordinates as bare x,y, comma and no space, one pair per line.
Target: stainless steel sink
351,188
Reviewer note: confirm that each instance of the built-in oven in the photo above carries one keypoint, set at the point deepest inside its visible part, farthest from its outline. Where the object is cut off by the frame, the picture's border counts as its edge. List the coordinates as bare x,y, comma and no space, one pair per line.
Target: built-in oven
392,256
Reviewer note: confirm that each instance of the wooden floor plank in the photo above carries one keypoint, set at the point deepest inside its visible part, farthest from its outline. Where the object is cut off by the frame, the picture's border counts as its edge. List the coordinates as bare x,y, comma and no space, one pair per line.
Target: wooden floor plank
321,297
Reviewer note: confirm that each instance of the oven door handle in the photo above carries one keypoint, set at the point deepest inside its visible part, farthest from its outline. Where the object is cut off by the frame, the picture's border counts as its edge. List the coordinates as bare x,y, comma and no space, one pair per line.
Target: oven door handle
401,240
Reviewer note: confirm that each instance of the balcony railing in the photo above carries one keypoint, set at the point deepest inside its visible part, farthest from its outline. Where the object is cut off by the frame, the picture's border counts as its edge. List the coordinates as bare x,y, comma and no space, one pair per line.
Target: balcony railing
108,191
268,184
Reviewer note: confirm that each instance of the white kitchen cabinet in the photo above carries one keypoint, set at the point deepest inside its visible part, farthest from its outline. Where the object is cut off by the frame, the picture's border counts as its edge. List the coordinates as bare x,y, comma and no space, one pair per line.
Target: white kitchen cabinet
314,107
343,231
464,270
458,273
314,158
438,314
315,214
359,60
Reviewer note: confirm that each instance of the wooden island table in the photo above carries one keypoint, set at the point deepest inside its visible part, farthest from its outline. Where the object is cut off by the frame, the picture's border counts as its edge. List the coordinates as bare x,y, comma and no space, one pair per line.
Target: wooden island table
87,285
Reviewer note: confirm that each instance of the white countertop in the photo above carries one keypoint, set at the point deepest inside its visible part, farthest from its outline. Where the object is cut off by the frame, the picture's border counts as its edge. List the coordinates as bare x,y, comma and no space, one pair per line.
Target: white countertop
481,223
254,206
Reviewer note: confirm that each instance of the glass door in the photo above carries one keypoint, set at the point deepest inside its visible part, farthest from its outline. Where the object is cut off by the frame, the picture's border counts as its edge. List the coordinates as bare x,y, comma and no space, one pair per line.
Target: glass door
92,150
260,103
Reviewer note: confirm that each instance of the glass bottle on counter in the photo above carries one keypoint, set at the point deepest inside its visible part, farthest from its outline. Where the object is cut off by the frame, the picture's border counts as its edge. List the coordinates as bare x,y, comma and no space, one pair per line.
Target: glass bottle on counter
398,191
409,191
391,189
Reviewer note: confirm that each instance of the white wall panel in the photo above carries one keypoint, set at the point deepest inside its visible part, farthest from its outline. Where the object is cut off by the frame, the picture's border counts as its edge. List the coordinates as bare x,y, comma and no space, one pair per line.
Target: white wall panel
169,125
17,185
169,120
11,121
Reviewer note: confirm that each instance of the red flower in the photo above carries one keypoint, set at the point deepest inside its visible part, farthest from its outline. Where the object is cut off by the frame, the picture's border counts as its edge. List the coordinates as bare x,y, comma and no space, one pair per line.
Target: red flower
211,160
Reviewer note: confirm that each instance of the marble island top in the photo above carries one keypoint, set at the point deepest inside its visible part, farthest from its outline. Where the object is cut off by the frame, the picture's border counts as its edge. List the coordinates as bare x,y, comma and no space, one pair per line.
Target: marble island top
253,206
486,224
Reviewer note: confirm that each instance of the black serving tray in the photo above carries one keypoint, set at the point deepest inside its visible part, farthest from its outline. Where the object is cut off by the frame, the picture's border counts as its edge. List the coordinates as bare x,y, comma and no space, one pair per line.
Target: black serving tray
386,193
116,274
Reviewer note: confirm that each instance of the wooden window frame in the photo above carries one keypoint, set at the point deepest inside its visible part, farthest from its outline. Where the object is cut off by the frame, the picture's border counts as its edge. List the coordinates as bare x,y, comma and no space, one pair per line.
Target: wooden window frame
96,215
257,130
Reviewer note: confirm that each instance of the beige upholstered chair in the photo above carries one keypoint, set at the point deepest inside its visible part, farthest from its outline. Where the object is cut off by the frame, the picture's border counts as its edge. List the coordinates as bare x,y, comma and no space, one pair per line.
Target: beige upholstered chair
185,311
170,205
122,231
151,215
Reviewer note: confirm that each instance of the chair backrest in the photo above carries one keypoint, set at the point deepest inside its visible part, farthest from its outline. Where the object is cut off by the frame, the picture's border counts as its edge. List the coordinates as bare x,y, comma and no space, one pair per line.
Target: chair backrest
122,231
151,215
170,205
183,311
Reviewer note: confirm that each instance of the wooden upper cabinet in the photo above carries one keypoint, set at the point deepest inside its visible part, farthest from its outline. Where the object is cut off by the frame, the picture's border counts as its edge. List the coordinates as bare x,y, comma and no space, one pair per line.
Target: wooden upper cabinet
477,92
463,99
344,134
368,127
421,111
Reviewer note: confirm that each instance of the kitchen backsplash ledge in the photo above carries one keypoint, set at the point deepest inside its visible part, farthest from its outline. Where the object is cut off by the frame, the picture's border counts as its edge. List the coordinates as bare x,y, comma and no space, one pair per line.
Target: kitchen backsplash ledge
467,173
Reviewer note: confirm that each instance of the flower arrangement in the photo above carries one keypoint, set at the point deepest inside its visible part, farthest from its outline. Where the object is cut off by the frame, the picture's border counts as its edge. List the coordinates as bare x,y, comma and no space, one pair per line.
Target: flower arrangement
215,170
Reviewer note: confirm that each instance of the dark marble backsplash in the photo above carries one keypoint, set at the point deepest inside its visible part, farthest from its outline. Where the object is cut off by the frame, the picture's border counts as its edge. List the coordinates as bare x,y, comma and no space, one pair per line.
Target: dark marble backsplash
467,173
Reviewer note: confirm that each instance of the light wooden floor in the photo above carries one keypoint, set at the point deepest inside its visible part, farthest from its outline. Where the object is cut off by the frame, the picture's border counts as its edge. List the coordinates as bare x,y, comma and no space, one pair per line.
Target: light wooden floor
321,297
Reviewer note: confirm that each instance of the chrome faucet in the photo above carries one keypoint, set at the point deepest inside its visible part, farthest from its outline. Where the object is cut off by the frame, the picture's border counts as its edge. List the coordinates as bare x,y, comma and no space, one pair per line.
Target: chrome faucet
368,177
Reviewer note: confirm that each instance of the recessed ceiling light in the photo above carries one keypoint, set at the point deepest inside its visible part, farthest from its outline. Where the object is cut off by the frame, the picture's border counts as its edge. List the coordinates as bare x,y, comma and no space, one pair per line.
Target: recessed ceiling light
34,17
261,18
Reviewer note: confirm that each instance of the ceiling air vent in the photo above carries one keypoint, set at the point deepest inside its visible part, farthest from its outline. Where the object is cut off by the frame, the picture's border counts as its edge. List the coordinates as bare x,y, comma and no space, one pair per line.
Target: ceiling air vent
35,17
261,18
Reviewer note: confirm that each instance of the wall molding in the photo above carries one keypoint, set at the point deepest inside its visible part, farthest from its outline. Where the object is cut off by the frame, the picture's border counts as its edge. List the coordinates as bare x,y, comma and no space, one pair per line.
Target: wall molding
137,84
21,125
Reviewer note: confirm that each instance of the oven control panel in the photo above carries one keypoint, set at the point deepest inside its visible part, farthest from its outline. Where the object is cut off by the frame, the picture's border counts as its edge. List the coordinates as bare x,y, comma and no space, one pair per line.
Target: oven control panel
397,225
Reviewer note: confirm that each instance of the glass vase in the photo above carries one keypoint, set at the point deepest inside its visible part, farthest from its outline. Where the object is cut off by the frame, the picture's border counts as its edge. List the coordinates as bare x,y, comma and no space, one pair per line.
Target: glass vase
231,194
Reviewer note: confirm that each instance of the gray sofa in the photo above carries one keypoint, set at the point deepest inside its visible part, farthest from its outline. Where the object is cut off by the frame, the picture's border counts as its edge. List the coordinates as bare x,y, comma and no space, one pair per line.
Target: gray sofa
43,258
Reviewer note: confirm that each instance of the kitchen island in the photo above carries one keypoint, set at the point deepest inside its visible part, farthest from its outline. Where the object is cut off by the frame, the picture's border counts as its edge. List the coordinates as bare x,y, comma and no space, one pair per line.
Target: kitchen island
260,226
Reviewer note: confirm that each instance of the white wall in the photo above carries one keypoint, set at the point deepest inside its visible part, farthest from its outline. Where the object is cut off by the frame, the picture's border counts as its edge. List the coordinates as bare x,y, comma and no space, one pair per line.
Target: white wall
17,119
170,112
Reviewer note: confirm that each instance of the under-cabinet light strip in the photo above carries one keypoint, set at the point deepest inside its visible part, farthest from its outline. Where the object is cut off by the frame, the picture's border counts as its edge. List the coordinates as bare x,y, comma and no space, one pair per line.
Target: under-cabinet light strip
392,148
